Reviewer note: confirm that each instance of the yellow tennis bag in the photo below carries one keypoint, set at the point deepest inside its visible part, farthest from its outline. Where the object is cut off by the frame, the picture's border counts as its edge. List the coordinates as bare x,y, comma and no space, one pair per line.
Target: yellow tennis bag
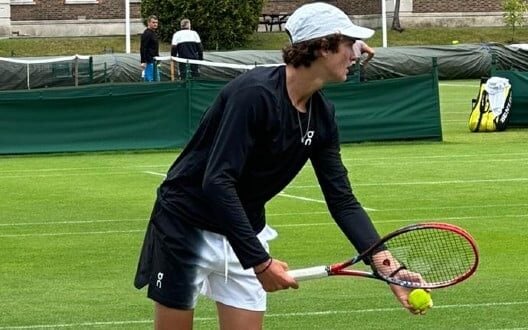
491,109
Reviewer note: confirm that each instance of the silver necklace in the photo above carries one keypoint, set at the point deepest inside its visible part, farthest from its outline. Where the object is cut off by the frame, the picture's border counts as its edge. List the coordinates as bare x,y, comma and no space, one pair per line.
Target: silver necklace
309,109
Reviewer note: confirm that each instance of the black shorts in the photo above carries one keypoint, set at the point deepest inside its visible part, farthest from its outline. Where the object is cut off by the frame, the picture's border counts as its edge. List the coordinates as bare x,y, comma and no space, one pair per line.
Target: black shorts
168,261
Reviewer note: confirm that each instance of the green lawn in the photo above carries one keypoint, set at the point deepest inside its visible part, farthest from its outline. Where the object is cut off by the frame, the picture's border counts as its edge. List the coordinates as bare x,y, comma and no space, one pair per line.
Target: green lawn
260,41
71,227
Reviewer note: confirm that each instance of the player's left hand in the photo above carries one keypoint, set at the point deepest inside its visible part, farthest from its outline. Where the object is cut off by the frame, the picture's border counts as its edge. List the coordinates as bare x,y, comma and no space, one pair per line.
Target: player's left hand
385,263
402,294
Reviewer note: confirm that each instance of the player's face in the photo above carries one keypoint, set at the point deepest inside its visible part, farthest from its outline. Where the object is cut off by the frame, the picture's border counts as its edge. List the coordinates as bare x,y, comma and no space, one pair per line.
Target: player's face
339,62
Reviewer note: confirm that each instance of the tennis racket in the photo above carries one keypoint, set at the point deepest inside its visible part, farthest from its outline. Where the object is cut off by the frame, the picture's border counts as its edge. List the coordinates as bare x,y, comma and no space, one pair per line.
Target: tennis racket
426,255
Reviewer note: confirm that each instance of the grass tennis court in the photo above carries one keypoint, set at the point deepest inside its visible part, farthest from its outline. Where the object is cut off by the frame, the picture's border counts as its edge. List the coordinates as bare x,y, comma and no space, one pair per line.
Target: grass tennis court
71,226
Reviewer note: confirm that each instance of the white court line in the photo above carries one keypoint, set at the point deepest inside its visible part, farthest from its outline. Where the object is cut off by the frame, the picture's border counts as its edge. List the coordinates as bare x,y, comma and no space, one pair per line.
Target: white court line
155,173
448,157
76,233
268,315
315,224
81,168
392,158
68,222
458,85
283,194
421,183
405,220
164,165
472,161
63,175
18,176
52,223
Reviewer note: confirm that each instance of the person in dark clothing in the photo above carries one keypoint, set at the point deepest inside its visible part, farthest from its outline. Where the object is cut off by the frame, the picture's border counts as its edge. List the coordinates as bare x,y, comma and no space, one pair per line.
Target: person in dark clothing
149,48
208,231
186,44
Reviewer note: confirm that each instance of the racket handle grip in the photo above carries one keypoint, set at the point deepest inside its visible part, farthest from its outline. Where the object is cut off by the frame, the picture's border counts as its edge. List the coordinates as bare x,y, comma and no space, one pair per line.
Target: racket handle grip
309,273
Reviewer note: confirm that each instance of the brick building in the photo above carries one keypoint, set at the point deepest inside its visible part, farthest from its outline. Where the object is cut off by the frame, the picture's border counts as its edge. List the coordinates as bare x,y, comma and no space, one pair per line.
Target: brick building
107,17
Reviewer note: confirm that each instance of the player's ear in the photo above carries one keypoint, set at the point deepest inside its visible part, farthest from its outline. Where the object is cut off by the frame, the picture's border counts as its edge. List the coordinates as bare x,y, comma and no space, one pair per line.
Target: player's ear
324,48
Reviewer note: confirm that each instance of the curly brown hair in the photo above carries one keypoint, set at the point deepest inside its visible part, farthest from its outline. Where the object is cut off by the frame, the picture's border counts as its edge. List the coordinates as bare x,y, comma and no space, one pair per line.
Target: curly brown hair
306,52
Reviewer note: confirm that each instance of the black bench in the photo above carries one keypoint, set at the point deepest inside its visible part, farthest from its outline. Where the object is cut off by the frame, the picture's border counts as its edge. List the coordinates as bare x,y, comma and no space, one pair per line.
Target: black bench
271,19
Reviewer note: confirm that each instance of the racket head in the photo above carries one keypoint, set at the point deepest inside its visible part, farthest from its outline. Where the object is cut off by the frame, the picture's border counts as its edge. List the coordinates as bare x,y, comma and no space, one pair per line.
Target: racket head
443,254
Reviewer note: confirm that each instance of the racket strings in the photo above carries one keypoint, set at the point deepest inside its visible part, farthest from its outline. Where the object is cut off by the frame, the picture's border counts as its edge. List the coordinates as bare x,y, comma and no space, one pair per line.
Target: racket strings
439,256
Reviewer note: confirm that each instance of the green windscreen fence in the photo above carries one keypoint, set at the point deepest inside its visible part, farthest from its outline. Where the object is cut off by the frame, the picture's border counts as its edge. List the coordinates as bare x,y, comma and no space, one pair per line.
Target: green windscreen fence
104,117
164,115
391,109
519,83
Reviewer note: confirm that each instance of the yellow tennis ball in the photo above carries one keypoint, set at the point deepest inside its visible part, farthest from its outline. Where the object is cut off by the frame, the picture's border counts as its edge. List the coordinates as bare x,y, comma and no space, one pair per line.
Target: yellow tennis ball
420,299
454,42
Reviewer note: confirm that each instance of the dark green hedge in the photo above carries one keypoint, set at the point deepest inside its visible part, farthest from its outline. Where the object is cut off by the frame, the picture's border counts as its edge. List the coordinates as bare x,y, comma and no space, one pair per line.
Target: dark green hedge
222,24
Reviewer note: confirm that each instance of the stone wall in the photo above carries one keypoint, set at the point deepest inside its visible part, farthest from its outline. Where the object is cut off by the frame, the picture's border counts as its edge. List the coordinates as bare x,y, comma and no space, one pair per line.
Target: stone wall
466,6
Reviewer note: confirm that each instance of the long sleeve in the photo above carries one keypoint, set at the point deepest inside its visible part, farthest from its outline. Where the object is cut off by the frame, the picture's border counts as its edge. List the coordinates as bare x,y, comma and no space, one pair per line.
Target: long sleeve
143,48
200,51
343,205
234,140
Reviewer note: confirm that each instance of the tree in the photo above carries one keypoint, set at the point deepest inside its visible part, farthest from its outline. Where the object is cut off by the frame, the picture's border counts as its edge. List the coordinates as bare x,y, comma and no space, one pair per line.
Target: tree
396,18
222,24
514,11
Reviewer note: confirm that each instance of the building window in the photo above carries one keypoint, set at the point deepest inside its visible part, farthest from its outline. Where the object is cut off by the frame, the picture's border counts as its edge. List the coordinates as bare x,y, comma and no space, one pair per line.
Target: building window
22,2
80,2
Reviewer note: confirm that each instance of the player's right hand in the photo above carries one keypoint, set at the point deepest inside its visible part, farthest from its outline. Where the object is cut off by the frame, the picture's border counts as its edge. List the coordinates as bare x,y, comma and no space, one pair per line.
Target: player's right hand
275,277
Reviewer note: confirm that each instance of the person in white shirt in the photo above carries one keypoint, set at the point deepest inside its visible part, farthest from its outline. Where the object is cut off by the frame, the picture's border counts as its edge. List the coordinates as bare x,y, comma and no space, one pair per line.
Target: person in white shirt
186,43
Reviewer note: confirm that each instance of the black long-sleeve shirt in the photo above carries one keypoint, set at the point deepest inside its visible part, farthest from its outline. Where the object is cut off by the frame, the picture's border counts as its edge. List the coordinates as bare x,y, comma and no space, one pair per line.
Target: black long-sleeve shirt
245,151
149,46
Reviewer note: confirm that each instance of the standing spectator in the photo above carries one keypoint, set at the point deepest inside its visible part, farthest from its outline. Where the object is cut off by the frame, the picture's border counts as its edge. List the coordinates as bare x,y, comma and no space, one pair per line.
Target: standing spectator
360,47
149,48
186,43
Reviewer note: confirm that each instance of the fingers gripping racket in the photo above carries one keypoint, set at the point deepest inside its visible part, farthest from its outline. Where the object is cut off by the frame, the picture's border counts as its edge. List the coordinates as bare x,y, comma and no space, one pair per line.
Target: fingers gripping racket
427,255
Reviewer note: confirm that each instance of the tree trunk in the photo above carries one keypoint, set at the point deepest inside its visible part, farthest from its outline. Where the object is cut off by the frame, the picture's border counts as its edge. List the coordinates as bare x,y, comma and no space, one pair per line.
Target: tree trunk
396,18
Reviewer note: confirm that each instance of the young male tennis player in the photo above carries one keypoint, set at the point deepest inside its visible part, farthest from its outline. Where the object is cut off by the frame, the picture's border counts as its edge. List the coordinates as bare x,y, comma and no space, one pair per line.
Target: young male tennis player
208,229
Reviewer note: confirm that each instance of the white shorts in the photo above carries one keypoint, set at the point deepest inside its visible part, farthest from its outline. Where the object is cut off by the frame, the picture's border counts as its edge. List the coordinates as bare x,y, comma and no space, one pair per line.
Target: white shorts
224,278
179,261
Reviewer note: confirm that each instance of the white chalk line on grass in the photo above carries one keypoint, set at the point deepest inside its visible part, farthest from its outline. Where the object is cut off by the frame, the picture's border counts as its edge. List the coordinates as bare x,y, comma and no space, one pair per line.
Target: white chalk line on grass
81,168
359,162
31,176
67,222
155,173
283,194
18,176
268,315
269,215
448,157
392,159
315,224
410,183
457,85
80,233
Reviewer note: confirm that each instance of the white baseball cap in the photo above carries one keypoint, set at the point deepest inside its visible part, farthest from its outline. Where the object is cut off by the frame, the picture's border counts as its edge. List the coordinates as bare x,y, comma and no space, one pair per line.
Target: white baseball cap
318,19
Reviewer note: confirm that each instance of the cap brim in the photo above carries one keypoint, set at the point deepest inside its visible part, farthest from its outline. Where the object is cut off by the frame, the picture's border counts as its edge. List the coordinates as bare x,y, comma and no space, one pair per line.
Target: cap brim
358,32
